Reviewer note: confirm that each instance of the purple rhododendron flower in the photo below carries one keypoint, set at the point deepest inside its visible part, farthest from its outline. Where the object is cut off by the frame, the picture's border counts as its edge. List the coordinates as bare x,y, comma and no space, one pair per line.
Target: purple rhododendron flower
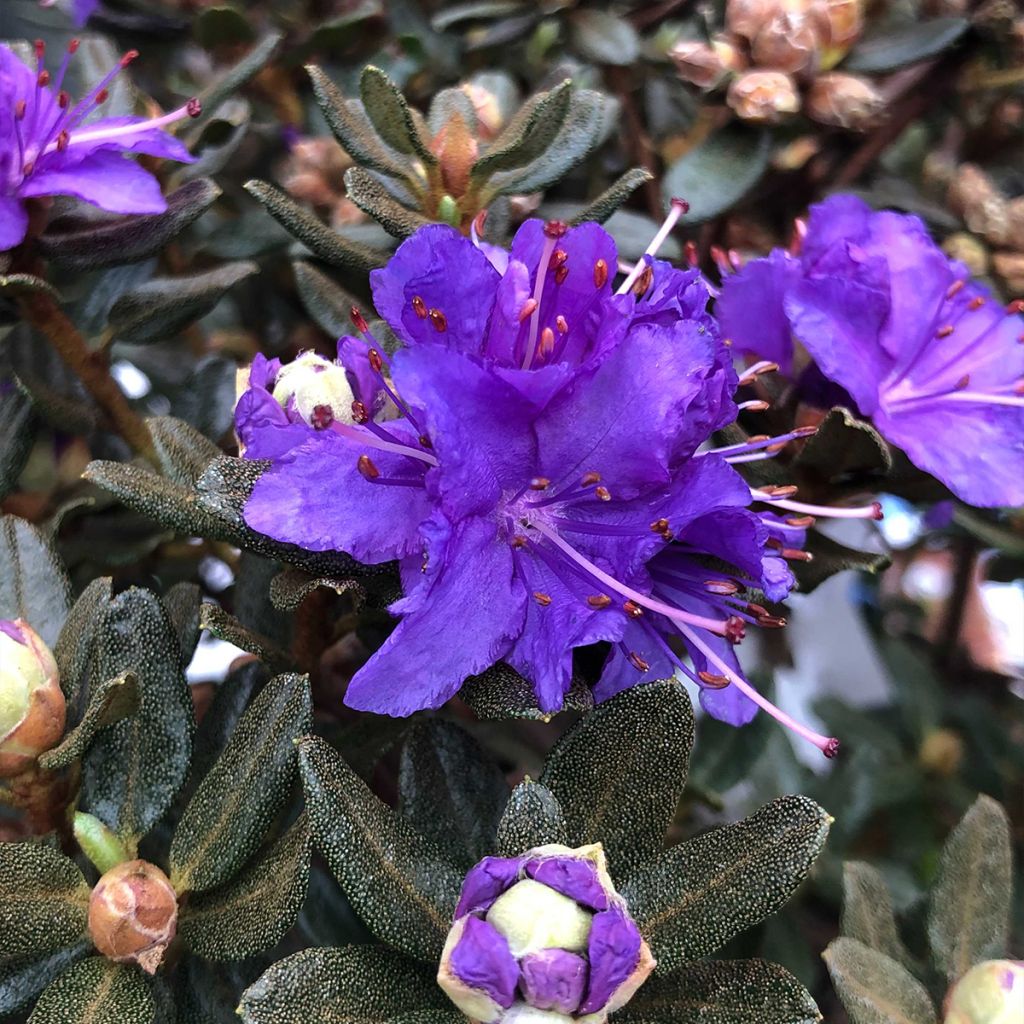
82,10
930,356
48,149
536,459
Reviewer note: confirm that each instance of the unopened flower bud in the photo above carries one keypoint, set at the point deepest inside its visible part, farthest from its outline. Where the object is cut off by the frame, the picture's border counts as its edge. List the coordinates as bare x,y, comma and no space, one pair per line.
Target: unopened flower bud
133,914
840,23
32,707
941,753
542,939
846,101
704,65
787,41
763,96
315,390
989,993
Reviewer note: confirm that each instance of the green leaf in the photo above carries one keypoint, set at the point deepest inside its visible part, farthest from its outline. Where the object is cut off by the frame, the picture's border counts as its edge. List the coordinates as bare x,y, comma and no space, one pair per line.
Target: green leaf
722,992
98,843
184,453
18,284
845,451
313,233
907,44
352,985
501,692
373,198
604,38
17,432
830,557
717,174
232,80
601,208
74,644
391,115
219,26
403,887
969,908
109,702
33,585
532,818
96,991
874,988
867,912
619,772
129,239
22,981
326,302
226,627
134,768
43,901
696,896
290,587
183,602
163,306
229,813
254,910
450,790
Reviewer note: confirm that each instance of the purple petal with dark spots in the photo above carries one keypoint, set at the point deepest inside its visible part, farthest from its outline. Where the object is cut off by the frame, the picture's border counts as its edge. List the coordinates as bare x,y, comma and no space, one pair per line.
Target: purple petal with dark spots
614,951
572,877
482,960
486,882
553,979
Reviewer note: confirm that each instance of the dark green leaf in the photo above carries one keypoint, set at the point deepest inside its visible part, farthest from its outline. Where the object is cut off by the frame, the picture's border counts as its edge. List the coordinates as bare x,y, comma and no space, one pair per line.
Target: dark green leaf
874,988
452,14
908,44
228,815
845,450
254,910
183,452
17,432
21,982
501,692
373,198
391,115
33,585
225,626
969,910
326,302
96,991
182,602
450,790
604,38
722,992
531,818
867,912
290,587
74,644
620,771
15,284
232,80
719,172
698,895
221,26
830,557
352,985
43,901
601,208
399,883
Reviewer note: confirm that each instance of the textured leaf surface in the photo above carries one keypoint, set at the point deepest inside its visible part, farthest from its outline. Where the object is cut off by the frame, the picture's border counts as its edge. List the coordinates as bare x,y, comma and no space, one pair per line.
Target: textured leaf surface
969,911
874,988
373,198
228,815
290,587
601,208
17,432
531,818
74,644
845,450
450,791
698,895
831,557
43,901
391,115
605,38
400,884
253,911
325,301
33,585
96,991
225,626
722,992
905,45
620,771
867,911
501,692
353,985
23,980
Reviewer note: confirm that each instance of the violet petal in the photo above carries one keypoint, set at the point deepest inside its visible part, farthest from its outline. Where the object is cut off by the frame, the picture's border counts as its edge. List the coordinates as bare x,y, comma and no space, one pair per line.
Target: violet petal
572,877
482,960
553,979
486,882
614,951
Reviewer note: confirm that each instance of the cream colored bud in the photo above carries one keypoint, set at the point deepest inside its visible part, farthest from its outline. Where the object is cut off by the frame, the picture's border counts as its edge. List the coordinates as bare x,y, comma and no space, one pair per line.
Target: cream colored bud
840,24
705,65
532,916
32,709
133,914
317,388
941,753
844,101
788,41
765,97
989,993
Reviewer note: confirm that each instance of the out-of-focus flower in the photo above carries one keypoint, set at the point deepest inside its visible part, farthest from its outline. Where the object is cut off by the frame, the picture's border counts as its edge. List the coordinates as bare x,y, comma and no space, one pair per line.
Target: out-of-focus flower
82,10
705,65
314,173
47,149
32,708
788,41
841,23
766,97
844,101
929,355
989,993
133,914
543,937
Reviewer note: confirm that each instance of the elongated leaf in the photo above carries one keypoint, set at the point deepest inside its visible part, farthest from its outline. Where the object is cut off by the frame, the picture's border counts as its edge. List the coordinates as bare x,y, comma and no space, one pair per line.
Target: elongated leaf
874,988
352,985
604,38
43,901
907,44
232,80
620,771
22,981
33,585
253,911
845,450
225,626
391,115
532,818
601,208
228,815
450,791
698,895
183,602
17,432
74,645
399,883
96,991
326,302
501,692
722,992
290,587
867,912
371,197
969,910
830,557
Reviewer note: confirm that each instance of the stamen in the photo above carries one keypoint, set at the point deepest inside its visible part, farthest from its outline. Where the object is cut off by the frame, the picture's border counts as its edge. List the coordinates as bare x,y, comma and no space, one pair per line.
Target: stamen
759,441
541,598
599,601
944,332
643,282
553,230
561,274
753,372
714,681
721,588
677,209
547,343
527,311
372,441
755,405
104,134
359,412
603,493
589,479
439,320
419,307
375,359
632,609
367,468
355,314
637,662
558,259
600,274
561,324
540,483
872,511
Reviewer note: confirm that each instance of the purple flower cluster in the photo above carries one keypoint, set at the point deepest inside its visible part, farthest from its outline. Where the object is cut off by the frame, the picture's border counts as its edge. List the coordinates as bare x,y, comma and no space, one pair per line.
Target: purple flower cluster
931,357
536,457
49,147
543,932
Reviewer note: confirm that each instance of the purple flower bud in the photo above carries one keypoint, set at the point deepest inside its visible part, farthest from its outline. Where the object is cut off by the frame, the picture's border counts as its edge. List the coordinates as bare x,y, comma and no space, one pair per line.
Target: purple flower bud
486,882
553,980
574,878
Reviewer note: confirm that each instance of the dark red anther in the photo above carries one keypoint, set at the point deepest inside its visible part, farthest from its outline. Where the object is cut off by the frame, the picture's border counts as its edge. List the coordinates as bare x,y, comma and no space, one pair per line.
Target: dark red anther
771,622
603,493
955,287
589,479
129,57
541,598
321,417
806,431
735,629
977,302
558,258
102,96
643,282
40,47
632,609
659,526
366,468
425,441
358,320
29,167
540,483
194,107
547,343
780,490
519,541
600,274
19,110
690,253
774,543
1016,306
876,510
757,610
63,100
945,331
800,522
562,324
723,588
43,78
757,405
561,274
637,662
527,311
831,748
419,307
73,45
796,555
599,601
962,383
712,680
555,228
376,363
360,414
439,320
63,138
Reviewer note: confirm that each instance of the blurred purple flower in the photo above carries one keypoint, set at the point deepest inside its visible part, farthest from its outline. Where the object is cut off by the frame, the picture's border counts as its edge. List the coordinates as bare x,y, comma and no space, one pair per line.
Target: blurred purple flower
930,356
82,10
47,149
